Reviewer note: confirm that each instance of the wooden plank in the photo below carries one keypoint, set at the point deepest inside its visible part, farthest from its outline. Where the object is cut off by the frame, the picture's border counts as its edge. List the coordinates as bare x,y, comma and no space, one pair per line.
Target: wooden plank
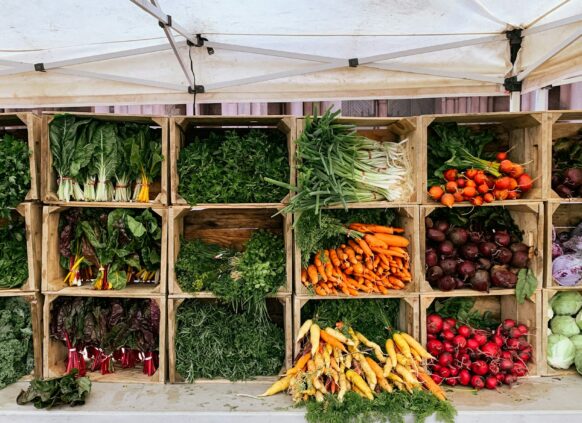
158,188
529,217
55,352
280,311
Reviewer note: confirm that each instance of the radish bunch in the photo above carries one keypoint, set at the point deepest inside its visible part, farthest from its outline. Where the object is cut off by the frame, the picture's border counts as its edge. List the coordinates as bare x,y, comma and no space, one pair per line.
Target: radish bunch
475,357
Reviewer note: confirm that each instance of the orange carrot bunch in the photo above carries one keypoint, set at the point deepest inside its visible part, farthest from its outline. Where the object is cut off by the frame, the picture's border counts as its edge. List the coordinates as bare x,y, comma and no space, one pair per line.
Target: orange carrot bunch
375,263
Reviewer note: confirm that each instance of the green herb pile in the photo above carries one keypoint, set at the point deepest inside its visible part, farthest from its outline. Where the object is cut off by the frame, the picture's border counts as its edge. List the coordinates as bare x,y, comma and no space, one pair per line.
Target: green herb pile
448,145
214,341
378,317
230,167
336,166
49,393
393,407
241,279
14,173
106,157
461,309
113,246
16,349
13,254
328,230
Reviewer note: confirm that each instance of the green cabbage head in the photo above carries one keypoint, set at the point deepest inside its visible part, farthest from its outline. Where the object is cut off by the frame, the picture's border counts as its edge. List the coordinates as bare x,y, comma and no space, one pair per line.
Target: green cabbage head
577,341
566,303
564,325
561,352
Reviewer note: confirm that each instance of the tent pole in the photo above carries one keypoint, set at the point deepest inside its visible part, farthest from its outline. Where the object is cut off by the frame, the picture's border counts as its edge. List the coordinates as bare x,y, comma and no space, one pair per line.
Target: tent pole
541,99
515,101
125,79
556,24
435,72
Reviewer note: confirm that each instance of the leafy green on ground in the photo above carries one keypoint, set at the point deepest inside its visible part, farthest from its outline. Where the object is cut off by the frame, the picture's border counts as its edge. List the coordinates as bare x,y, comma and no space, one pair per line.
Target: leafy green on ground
230,167
49,393
241,279
13,254
461,309
386,407
14,173
16,349
328,230
376,317
214,341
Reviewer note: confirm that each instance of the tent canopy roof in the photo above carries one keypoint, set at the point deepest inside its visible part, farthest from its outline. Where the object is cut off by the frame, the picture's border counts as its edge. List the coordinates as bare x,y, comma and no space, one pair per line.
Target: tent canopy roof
114,51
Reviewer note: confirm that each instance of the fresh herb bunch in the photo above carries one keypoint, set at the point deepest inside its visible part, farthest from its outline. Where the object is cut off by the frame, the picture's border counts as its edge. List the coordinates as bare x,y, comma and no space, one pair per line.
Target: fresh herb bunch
16,349
213,341
393,407
328,230
48,393
13,254
200,264
14,173
230,167
567,152
448,144
480,219
379,317
461,309
336,166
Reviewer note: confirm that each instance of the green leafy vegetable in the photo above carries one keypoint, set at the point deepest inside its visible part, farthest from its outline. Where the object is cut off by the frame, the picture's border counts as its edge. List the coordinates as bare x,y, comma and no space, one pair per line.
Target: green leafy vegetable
214,341
527,284
13,254
104,141
49,393
461,309
393,407
230,167
14,173
16,349
567,152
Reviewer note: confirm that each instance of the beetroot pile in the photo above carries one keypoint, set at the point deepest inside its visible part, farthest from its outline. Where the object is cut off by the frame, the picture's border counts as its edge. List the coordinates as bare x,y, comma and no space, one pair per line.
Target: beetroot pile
476,357
478,258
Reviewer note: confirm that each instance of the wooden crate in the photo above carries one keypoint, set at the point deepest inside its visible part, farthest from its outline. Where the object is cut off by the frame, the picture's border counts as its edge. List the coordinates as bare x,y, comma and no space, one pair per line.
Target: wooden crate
502,306
226,227
158,188
53,274
407,316
559,124
564,216
408,216
183,128
529,217
546,369
36,301
283,318
388,129
522,132
55,352
26,126
32,214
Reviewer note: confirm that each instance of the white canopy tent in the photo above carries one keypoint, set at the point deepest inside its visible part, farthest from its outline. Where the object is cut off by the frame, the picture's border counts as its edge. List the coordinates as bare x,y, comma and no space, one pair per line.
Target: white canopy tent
72,52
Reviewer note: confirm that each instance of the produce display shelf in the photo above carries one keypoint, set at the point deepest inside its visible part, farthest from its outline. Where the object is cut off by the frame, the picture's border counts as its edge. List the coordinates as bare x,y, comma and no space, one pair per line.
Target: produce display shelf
105,204
208,294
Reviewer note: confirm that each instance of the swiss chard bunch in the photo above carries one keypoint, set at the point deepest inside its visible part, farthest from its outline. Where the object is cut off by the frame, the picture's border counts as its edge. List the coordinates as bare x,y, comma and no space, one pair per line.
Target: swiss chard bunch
14,173
16,349
230,167
13,254
48,393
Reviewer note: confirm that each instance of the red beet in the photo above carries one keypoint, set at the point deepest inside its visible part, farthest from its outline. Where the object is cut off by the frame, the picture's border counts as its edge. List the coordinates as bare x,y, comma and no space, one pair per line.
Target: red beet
477,382
464,377
466,269
442,225
480,281
458,236
435,235
434,323
519,259
502,238
470,251
464,330
449,266
573,177
518,246
430,257
487,249
434,273
479,367
460,341
446,248
491,382
503,255
483,264
502,278
475,237
447,283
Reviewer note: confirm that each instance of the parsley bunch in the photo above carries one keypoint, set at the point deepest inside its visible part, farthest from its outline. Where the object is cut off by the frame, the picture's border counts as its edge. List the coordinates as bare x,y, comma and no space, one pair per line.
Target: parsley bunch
13,255
14,173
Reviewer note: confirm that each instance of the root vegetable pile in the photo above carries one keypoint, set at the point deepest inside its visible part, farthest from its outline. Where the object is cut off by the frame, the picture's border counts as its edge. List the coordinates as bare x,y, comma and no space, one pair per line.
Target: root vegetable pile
476,357
477,250
374,259
567,166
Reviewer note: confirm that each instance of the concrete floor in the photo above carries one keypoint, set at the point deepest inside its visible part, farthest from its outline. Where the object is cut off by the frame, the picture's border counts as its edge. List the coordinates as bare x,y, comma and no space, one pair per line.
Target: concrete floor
535,400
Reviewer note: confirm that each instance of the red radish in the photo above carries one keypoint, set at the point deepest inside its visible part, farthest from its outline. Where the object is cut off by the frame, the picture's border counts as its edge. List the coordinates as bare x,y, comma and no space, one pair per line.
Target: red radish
445,359
464,360
472,344
479,367
464,377
508,324
510,379
506,355
451,322
524,356
512,343
454,371
460,341
506,364
506,166
434,323
434,347
445,372
437,379
464,331
502,155
477,382
450,174
519,369
436,192
448,347
448,335
493,368
451,187
451,381
491,382
480,338
523,329
498,340
525,182
461,182
430,336
514,333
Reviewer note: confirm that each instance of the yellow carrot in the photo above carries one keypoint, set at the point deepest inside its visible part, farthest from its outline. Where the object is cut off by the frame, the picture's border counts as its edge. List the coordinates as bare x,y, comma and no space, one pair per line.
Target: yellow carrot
339,336
279,386
402,345
413,344
304,329
314,332
359,383
391,352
